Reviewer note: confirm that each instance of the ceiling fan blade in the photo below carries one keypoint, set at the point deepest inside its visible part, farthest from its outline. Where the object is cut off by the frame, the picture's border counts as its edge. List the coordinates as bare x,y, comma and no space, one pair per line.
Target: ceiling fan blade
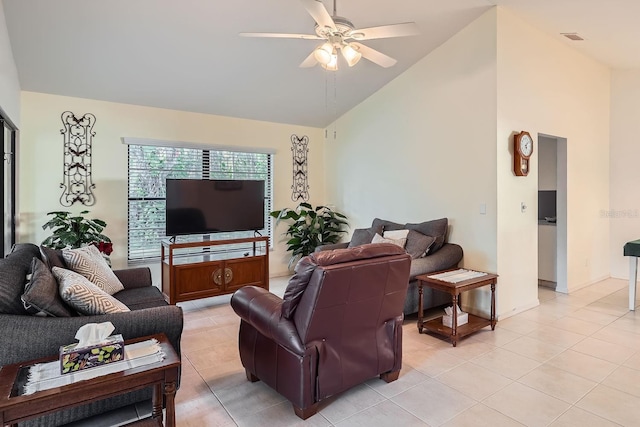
283,36
386,31
309,61
319,13
374,56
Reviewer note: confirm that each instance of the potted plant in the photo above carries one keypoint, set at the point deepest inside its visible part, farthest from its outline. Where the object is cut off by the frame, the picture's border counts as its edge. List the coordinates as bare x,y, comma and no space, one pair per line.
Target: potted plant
74,231
309,228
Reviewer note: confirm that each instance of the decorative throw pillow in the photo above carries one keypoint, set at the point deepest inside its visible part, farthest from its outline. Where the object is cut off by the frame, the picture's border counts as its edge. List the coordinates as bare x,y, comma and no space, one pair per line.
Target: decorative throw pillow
400,235
52,257
418,244
24,250
84,296
12,280
385,225
398,242
41,297
15,268
360,236
436,228
88,261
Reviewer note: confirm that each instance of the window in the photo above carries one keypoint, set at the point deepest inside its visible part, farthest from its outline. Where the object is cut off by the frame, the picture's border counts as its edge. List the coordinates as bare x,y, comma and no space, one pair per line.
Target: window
150,166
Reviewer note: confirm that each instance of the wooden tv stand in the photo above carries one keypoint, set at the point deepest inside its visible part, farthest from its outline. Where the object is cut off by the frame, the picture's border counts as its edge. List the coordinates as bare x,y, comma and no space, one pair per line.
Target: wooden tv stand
194,270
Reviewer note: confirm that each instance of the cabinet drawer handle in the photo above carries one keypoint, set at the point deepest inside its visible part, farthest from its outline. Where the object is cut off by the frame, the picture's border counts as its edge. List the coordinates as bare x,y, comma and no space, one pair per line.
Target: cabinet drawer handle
217,277
228,275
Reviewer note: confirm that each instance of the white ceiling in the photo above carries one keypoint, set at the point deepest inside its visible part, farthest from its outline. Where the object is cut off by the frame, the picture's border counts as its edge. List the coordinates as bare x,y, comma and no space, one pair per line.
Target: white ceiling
187,55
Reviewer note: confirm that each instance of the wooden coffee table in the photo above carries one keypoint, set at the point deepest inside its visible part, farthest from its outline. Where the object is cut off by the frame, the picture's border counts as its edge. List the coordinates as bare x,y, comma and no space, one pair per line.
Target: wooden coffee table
455,289
162,376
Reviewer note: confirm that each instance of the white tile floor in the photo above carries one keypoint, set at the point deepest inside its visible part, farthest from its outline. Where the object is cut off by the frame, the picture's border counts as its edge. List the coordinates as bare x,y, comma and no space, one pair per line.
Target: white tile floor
572,361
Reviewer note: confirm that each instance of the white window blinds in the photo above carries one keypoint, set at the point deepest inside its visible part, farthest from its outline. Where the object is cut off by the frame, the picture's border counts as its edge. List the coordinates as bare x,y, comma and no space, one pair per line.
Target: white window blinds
150,166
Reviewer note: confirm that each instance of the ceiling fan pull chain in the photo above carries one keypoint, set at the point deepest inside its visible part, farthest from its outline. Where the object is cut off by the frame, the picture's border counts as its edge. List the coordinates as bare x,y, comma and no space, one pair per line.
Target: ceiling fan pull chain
326,103
335,105
334,8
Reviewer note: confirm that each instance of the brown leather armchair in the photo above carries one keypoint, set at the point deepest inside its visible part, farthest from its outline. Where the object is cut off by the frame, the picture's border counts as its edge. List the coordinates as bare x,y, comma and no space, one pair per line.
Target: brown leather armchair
338,325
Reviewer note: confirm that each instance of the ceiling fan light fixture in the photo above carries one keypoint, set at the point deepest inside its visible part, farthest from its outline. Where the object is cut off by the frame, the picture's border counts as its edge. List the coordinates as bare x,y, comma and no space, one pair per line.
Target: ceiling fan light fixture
323,53
333,63
336,32
351,55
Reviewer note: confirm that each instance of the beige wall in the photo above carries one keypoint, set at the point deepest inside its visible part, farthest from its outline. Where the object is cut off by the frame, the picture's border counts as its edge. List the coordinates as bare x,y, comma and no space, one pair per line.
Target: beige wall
9,84
40,170
624,209
568,100
423,147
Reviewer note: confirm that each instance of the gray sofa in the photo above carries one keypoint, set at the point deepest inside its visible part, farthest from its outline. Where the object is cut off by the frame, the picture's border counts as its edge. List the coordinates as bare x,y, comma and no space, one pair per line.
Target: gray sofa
440,255
25,337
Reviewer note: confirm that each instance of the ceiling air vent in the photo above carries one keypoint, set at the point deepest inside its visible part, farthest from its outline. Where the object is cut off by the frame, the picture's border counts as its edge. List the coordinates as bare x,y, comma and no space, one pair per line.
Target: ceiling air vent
572,36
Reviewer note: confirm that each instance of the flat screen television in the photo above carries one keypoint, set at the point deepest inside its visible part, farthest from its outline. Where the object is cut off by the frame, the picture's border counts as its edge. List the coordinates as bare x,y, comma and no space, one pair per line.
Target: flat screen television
203,206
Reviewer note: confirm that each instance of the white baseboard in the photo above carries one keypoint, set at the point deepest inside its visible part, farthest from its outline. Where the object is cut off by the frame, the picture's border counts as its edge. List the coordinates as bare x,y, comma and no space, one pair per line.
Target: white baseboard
584,285
518,310
513,312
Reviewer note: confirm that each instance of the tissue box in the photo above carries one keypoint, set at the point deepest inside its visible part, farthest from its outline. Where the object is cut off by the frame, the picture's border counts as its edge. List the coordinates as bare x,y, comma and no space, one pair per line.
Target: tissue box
447,320
74,358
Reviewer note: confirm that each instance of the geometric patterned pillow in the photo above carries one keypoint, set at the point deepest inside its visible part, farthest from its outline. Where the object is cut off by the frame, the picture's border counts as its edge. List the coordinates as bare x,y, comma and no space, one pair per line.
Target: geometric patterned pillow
84,296
89,262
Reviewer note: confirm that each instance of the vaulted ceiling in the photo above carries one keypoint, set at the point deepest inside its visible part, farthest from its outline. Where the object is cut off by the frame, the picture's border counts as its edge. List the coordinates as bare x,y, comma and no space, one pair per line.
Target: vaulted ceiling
187,54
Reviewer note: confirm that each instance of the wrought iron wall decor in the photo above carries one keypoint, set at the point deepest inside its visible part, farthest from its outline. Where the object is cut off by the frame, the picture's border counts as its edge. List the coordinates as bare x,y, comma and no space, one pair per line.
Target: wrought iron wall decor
299,149
78,137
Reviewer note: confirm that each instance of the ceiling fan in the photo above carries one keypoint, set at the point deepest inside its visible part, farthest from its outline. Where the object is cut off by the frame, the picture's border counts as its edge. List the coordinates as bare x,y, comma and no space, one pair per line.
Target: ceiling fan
339,33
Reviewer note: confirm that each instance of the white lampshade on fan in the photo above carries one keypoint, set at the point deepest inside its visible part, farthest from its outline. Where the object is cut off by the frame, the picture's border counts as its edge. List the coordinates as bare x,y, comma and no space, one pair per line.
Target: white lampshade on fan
323,53
333,63
351,55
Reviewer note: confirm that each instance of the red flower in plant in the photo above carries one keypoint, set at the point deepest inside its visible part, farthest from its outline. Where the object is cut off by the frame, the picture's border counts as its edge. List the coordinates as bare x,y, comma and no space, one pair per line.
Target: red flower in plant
107,248
104,247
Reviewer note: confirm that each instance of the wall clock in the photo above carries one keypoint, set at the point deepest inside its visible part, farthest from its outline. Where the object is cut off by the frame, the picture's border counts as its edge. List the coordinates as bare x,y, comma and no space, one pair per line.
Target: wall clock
522,150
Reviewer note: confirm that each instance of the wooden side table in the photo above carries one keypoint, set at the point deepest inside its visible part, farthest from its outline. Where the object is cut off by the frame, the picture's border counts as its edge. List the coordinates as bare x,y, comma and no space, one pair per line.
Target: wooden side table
455,289
162,376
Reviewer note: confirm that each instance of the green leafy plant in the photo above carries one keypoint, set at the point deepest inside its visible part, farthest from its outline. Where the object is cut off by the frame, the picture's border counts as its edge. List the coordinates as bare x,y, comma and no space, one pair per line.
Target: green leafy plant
74,231
309,228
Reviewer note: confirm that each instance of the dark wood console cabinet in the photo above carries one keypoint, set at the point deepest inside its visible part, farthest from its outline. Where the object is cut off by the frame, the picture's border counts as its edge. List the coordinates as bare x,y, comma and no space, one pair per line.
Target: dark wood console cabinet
193,270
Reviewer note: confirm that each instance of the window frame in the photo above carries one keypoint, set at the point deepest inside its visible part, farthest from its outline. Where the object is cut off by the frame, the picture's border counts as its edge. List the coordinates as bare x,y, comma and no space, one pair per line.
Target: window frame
207,171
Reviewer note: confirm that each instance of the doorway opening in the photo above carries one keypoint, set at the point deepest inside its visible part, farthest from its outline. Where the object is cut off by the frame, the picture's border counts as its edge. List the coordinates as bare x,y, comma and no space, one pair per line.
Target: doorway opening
552,212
